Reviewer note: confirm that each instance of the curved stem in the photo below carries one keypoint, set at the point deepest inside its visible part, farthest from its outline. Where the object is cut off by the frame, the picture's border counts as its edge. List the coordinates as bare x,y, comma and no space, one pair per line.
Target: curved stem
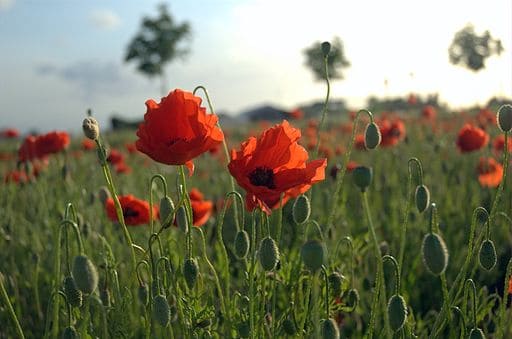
473,295
10,309
139,277
462,319
317,228
164,184
348,240
324,108
326,281
188,208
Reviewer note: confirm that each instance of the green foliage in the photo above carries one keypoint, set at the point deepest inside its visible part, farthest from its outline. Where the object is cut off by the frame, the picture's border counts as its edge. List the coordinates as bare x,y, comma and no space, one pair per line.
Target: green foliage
336,60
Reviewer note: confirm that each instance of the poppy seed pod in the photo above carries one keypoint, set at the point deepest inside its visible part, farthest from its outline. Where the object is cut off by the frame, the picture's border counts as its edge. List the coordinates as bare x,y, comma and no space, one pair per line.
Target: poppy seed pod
476,333
362,177
70,333
397,310
161,310
268,254
422,198
335,283
166,209
372,136
181,219
85,274
241,244
435,253
142,294
301,209
73,294
313,254
330,329
289,327
504,118
326,48
91,128
487,255
190,272
352,298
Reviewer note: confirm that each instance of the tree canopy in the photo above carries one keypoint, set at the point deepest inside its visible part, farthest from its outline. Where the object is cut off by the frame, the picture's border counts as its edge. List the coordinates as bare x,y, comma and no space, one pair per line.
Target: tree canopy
336,60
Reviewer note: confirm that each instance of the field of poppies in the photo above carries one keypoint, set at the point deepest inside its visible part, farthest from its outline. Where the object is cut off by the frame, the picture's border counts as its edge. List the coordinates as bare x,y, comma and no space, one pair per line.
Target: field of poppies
356,224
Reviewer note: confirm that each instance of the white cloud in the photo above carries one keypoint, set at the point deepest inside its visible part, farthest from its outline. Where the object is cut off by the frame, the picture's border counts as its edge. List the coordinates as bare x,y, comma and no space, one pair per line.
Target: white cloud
6,4
104,19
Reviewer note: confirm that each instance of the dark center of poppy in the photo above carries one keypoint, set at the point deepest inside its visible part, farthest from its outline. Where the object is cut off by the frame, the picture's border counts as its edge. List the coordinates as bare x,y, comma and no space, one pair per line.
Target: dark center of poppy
128,213
175,140
262,176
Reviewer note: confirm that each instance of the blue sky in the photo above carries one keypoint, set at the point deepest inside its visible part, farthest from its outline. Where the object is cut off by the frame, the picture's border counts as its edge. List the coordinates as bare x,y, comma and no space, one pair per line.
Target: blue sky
60,57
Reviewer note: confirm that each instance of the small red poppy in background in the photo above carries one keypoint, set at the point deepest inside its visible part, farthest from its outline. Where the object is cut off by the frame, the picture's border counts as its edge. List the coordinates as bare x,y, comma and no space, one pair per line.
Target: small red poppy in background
201,209
131,148
429,112
16,176
88,144
392,131
28,149
510,285
52,142
177,130
486,117
412,99
122,168
9,133
471,138
498,144
490,172
135,211
359,142
296,114
115,157
274,164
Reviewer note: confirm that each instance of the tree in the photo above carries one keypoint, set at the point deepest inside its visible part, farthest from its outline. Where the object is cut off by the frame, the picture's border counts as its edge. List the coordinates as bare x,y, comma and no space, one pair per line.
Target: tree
157,43
471,50
336,60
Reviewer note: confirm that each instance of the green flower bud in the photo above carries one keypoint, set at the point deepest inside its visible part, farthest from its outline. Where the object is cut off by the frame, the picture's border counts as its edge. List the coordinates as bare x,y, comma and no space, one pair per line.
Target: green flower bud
85,274
435,253
326,48
301,209
70,333
190,272
504,118
476,333
335,283
397,310
362,177
181,219
166,210
142,294
487,255
241,244
330,329
289,327
73,294
161,311
268,254
372,136
313,254
422,197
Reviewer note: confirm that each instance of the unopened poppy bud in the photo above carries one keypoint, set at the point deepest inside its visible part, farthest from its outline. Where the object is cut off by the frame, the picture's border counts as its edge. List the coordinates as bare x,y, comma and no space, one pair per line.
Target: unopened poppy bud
476,333
166,210
352,298
326,48
85,274
335,283
142,294
422,197
372,136
181,219
301,209
504,118
289,327
268,254
487,255
330,329
241,244
91,128
70,333
244,329
103,195
435,253
73,294
161,311
397,310
362,177
313,254
190,272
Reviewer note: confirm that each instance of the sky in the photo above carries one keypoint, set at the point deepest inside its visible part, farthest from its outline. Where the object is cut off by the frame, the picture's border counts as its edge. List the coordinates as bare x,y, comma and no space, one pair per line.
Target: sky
60,57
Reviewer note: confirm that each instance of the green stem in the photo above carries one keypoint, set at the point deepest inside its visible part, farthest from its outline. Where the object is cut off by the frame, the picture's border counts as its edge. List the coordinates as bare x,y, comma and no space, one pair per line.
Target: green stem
12,314
164,184
502,183
252,293
324,107
306,308
326,281
502,323
188,209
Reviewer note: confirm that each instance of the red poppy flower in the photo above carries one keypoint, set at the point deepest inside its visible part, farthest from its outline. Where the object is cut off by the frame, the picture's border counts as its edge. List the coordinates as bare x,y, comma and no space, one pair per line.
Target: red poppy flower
429,112
28,150
9,133
359,143
272,165
130,147
88,144
115,157
52,142
16,177
135,211
498,144
201,209
490,172
177,130
471,138
122,168
392,131
296,114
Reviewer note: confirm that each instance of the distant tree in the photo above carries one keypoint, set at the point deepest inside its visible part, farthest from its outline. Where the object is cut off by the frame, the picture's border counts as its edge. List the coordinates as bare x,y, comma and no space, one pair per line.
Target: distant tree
470,50
158,43
336,60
